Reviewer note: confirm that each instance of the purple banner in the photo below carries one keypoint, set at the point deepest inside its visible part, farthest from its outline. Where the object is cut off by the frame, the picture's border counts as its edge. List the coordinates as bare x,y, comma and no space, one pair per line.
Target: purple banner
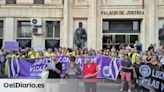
31,68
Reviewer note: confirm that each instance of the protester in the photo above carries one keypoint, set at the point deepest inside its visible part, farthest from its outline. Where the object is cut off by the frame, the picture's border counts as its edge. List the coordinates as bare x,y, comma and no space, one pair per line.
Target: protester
162,60
66,52
114,54
104,53
11,54
73,70
151,48
34,54
132,54
144,55
128,47
55,68
77,53
126,69
71,52
2,61
99,52
86,52
49,52
154,64
138,46
149,56
136,73
81,52
121,53
26,52
41,54
60,52
94,52
90,71
155,48
20,54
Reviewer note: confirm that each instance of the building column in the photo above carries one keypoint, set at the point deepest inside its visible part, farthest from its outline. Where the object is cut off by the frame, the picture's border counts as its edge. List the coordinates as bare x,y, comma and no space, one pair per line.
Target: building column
99,26
2,2
92,33
156,29
153,20
8,29
37,42
65,29
143,34
71,25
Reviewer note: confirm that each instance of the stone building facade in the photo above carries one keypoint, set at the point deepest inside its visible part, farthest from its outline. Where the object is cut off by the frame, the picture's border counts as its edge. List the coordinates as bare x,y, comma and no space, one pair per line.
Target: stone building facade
52,23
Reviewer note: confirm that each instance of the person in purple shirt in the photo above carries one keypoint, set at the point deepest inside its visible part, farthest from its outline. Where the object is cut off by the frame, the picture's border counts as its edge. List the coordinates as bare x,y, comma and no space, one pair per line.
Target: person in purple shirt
126,71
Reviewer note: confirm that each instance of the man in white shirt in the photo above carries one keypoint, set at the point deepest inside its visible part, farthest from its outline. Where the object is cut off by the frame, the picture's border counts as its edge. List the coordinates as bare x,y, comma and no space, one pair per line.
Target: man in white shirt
2,61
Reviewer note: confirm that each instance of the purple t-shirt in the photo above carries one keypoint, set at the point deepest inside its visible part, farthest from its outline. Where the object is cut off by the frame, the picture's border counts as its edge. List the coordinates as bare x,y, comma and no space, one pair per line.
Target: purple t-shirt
126,64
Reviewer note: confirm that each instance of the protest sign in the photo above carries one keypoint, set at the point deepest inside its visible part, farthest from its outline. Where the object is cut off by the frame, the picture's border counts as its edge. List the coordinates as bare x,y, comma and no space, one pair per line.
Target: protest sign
10,45
153,76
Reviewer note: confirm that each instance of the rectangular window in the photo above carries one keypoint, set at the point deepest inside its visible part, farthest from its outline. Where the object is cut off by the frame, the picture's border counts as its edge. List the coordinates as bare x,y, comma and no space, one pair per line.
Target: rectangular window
10,1
23,43
24,29
133,38
1,29
120,38
135,25
121,26
38,1
52,43
107,41
53,29
105,25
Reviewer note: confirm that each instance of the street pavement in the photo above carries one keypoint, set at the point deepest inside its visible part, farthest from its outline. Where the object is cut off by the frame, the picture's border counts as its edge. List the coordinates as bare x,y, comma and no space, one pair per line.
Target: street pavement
105,87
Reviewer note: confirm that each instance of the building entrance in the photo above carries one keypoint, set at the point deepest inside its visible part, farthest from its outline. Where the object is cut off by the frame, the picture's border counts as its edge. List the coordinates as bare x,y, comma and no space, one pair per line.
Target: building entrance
116,32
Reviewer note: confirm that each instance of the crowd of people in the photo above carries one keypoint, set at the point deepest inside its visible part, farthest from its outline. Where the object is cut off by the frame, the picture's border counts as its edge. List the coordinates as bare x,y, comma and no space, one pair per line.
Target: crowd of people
131,60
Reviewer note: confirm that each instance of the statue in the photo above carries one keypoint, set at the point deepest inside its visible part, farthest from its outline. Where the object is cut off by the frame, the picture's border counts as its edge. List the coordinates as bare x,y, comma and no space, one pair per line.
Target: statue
161,35
80,36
